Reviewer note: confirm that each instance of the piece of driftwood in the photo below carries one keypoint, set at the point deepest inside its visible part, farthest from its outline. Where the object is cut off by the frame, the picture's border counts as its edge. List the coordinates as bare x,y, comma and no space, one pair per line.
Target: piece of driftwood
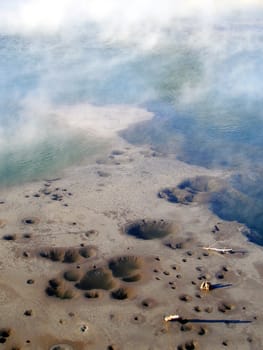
171,318
220,250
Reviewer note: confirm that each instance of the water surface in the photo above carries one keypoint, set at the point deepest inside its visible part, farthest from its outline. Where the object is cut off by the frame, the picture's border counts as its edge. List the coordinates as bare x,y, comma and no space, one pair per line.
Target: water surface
202,82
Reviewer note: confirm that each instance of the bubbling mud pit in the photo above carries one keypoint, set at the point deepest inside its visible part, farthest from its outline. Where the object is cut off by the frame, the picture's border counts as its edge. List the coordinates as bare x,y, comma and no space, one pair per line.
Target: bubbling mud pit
68,255
129,269
100,278
196,189
149,229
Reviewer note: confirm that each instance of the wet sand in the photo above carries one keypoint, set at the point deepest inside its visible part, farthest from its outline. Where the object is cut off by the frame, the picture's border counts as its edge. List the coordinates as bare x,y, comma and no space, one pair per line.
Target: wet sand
75,273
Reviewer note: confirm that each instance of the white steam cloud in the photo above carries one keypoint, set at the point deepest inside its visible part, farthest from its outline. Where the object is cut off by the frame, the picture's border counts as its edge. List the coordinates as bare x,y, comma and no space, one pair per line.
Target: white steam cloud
117,16
58,56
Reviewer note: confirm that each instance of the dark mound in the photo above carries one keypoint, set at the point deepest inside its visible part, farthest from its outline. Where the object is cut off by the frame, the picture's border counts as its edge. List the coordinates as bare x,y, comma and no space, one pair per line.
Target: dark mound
149,229
191,345
93,294
122,293
88,252
54,254
61,254
187,191
99,278
225,307
71,256
198,184
57,289
125,267
134,278
72,275
176,195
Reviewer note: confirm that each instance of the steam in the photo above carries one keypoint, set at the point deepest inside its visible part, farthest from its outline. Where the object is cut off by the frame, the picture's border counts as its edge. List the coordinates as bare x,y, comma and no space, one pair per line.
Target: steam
91,67
123,17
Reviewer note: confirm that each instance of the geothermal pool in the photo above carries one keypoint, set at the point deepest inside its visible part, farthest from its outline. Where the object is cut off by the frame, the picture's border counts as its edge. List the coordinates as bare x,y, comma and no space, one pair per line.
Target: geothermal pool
200,78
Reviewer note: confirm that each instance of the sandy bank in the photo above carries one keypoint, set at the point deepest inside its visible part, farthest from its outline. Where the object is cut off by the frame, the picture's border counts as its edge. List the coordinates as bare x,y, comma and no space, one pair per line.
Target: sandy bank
70,274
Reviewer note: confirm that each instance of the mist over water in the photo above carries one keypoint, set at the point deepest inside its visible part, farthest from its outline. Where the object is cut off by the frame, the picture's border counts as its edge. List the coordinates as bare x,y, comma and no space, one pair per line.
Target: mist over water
197,67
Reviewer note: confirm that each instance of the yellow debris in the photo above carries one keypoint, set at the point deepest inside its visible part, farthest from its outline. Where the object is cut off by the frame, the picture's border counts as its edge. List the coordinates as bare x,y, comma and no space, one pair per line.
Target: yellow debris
206,286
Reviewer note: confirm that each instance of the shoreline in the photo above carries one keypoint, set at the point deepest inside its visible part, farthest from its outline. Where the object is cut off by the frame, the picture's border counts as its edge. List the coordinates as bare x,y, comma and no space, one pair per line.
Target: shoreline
89,206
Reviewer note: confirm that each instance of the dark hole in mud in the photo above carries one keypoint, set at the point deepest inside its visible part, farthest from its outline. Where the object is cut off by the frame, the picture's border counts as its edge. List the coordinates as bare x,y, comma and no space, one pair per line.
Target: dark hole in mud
220,275
28,313
30,221
149,229
99,278
185,297
112,347
148,303
186,328
125,266
225,307
30,281
202,331
121,293
191,345
5,333
197,309
55,283
90,233
137,319
93,294
9,237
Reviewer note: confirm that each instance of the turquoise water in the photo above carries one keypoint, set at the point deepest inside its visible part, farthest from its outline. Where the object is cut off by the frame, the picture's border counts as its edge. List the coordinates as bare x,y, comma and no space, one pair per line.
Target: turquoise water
203,83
